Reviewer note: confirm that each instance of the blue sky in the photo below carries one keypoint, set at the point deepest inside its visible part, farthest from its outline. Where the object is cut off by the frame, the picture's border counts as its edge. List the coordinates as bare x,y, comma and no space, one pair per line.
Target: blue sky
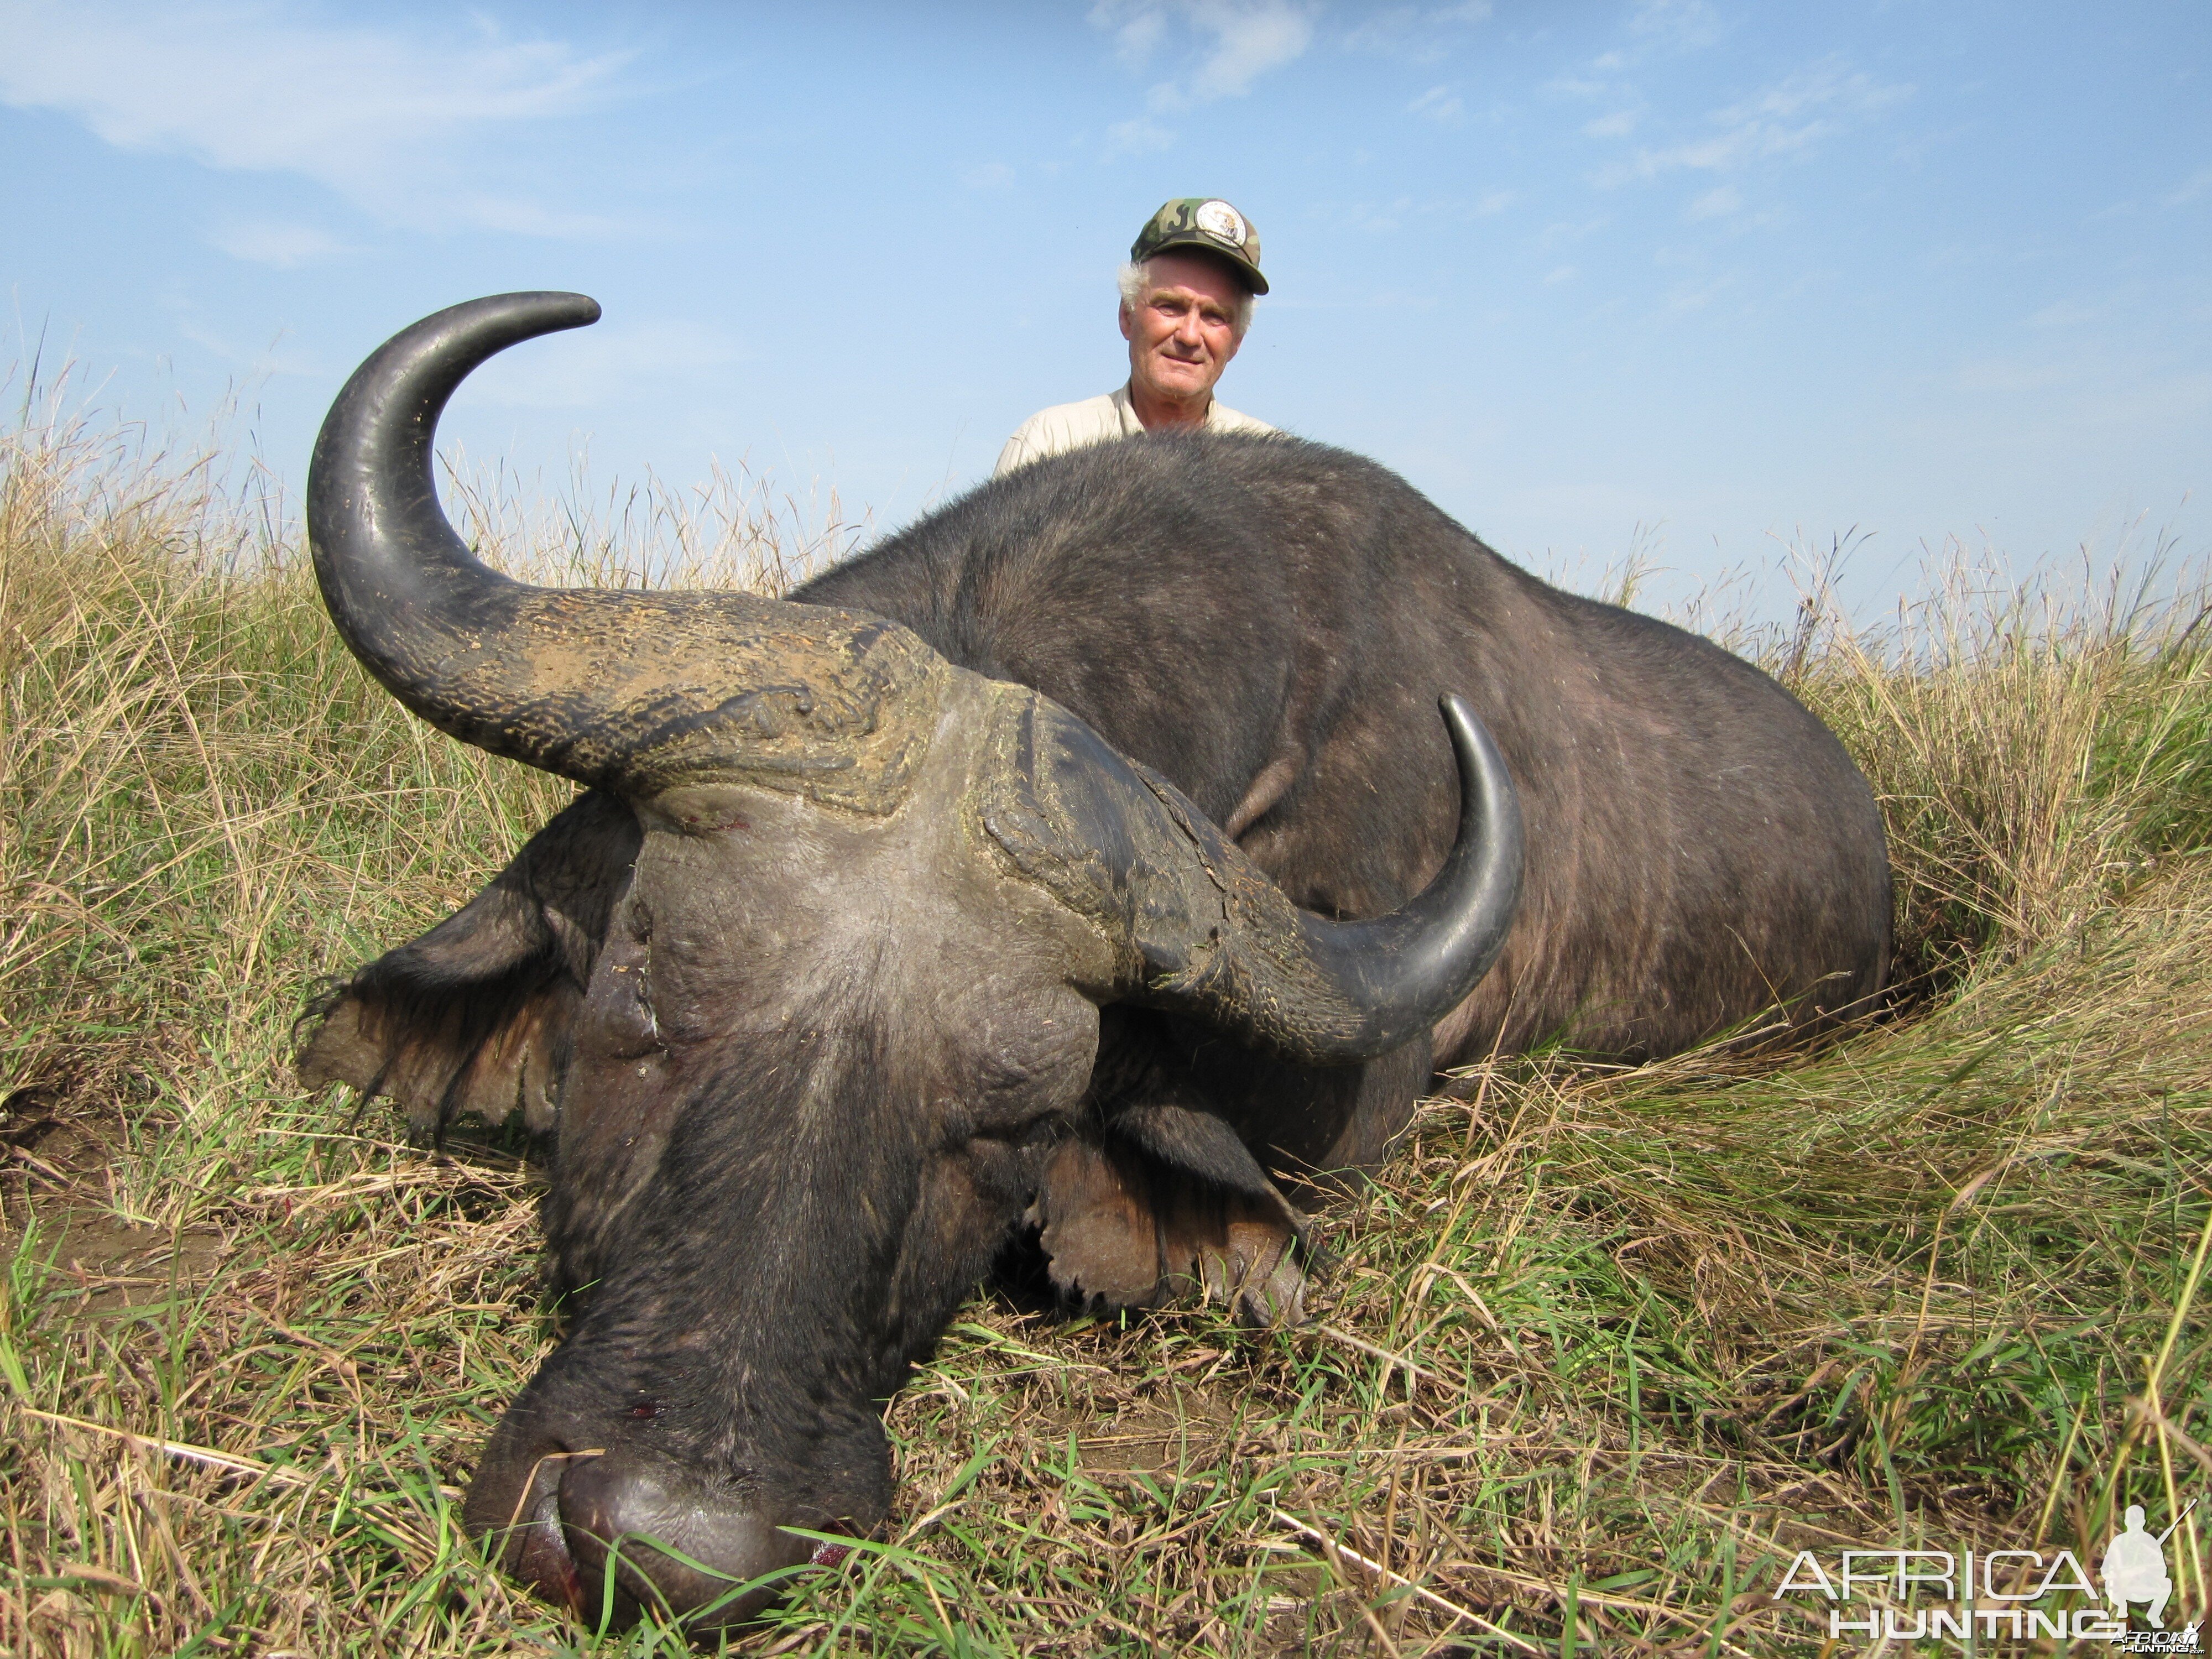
1697,277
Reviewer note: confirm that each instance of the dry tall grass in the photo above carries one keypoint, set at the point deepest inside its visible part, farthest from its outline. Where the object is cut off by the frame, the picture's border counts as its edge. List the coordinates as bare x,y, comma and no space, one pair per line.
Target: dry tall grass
1600,1351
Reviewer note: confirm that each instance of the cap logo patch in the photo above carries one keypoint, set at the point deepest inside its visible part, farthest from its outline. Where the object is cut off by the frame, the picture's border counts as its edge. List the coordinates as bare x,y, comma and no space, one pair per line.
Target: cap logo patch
1220,218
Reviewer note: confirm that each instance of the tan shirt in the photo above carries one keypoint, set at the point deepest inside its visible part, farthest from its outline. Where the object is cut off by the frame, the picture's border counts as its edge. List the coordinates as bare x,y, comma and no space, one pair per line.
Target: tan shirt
1095,420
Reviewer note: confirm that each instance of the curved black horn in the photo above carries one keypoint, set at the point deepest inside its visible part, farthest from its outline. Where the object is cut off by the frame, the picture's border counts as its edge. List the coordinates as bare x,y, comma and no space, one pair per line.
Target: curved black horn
1351,990
1406,970
1201,931
632,690
399,582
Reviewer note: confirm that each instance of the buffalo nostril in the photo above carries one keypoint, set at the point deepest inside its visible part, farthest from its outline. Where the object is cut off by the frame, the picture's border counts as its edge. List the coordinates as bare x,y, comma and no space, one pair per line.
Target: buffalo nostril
644,1535
543,1561
524,1530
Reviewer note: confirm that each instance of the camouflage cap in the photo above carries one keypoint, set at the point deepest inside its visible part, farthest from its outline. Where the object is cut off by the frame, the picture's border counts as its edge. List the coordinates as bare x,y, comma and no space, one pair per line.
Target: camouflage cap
1207,222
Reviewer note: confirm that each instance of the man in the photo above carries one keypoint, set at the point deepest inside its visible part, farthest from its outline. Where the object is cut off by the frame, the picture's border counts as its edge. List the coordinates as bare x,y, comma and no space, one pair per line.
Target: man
1186,302
2135,1569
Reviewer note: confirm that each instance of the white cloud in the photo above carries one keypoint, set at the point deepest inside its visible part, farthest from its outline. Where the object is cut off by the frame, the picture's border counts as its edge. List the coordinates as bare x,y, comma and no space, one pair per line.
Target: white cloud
1655,29
1684,24
992,175
1134,38
1420,34
1392,31
1440,105
1248,40
1565,234
1139,135
1716,203
2066,313
1572,86
2199,184
1791,117
1826,86
1240,40
376,113
1685,297
265,242
1373,218
1494,201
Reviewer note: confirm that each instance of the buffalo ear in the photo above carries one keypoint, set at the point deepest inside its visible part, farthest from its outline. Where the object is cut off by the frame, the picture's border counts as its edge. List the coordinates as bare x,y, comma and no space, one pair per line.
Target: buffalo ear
477,1016
1169,1205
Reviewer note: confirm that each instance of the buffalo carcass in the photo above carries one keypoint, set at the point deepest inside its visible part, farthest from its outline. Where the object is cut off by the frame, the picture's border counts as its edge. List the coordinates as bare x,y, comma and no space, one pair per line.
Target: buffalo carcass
859,959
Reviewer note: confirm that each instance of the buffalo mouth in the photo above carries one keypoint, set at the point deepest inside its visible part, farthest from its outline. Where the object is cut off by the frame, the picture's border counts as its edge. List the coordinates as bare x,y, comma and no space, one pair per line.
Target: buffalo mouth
619,1536
597,1499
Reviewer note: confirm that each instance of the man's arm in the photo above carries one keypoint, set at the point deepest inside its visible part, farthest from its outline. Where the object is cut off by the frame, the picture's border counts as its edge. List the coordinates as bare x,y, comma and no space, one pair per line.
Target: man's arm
1017,451
1056,430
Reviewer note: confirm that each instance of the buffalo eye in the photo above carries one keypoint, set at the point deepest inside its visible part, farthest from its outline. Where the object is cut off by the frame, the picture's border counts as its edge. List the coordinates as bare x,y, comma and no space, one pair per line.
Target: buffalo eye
646,1409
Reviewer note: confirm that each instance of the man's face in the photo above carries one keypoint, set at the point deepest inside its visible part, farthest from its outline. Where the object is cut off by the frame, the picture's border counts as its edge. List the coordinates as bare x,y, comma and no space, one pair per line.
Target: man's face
1182,331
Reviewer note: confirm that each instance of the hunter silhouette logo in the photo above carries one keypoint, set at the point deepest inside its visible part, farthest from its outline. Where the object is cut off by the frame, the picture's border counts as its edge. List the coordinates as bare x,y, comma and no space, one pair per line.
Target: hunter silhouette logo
2135,1566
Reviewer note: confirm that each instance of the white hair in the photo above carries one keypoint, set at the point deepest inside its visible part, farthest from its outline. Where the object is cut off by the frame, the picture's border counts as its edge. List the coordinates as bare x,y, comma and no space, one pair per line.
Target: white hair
1136,279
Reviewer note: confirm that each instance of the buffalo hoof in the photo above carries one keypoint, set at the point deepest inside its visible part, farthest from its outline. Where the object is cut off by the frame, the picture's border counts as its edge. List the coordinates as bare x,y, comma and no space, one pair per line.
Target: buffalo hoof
616,1539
